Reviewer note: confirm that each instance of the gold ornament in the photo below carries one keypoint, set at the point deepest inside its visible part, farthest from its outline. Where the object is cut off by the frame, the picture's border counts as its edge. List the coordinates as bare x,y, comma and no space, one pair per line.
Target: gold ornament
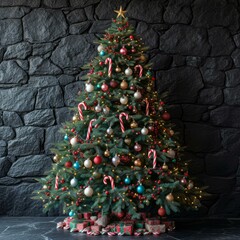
120,12
143,58
107,153
137,163
171,132
118,69
165,167
169,197
127,141
124,85
75,118
149,89
96,174
56,158
134,124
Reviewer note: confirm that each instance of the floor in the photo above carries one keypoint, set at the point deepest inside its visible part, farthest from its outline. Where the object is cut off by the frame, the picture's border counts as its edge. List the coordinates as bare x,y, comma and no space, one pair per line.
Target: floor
31,228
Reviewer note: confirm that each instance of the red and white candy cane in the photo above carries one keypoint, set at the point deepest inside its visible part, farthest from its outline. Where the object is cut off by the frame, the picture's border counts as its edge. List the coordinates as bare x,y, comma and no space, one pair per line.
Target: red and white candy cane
111,181
121,121
140,69
109,62
150,152
80,105
56,182
147,106
90,128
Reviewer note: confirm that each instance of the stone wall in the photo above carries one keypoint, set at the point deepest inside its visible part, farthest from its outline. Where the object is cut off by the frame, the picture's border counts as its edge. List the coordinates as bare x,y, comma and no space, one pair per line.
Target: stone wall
195,50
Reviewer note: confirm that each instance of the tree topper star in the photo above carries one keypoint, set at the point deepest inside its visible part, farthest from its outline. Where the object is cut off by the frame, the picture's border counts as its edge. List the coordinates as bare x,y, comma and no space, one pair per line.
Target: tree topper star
120,12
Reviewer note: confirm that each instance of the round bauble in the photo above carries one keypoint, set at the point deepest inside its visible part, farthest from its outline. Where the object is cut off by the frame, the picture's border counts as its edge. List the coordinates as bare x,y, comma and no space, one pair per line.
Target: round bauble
73,141
171,132
171,153
128,71
133,50
160,108
113,83
143,58
101,63
88,191
96,175
76,165
97,160
166,116
100,48
68,164
98,108
151,128
107,153
106,110
120,215
184,181
66,137
161,212
74,182
134,124
137,95
89,87
169,197
137,147
144,131
125,159
138,163
190,185
115,160
75,118
44,187
71,213
102,53
118,69
127,141
164,167
123,51
109,131
124,85
124,100
140,189
98,86
56,158
131,37
87,163
104,87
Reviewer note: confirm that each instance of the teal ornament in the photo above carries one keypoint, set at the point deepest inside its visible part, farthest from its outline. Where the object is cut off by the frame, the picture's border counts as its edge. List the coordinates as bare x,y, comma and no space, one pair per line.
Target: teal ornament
140,189
71,213
76,165
66,137
174,160
127,180
102,53
98,86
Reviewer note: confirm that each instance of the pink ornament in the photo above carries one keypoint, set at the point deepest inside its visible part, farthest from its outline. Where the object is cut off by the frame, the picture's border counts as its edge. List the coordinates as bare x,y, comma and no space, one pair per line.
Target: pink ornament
137,147
104,87
123,51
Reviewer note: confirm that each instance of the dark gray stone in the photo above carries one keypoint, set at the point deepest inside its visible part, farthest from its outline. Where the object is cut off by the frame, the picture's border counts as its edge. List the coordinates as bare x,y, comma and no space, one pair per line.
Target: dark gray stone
232,77
149,36
100,26
211,96
24,146
89,12
63,115
196,164
23,64
65,79
76,16
42,81
219,63
3,148
187,40
193,112
42,66
226,116
231,140
221,164
71,54
194,61
17,99
13,12
236,57
12,119
40,25
161,62
41,118
232,95
221,41
49,97
2,51
175,111
19,50
178,61
79,28
30,166
10,72
11,31
4,166
214,13
237,39
145,10
6,133
182,83
213,77
178,12
8,181
70,93
82,3
26,131
42,48
53,136
28,3
55,3
202,138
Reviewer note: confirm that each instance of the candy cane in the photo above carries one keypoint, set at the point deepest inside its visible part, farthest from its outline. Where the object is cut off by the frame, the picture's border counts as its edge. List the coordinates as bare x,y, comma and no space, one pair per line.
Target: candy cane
152,151
56,182
109,61
147,106
121,121
80,105
90,129
111,181
140,69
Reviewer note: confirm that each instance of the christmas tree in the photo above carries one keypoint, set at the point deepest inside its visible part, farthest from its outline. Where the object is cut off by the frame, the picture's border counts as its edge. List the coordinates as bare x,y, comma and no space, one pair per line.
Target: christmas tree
120,153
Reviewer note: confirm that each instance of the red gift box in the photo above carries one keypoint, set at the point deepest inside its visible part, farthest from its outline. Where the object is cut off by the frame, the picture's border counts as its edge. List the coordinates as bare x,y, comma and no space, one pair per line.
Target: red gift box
160,228
128,221
125,228
96,228
81,226
153,221
87,215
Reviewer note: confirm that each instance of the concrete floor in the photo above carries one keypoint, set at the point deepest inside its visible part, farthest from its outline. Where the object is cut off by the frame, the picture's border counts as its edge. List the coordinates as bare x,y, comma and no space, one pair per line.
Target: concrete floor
44,228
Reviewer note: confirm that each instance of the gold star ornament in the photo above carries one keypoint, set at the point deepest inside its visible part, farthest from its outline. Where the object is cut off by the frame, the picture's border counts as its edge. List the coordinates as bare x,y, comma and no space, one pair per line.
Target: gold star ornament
120,12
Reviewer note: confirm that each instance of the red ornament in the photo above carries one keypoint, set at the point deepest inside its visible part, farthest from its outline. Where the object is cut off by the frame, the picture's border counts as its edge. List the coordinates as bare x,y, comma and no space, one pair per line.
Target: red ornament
107,192
104,87
62,181
123,51
125,159
64,189
153,78
113,83
161,212
97,159
166,116
131,37
100,73
133,50
162,103
119,215
68,164
132,87
73,130
101,63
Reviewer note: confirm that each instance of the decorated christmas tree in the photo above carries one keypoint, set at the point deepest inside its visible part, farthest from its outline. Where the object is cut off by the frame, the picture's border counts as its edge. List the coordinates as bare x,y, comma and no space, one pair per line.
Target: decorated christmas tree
120,153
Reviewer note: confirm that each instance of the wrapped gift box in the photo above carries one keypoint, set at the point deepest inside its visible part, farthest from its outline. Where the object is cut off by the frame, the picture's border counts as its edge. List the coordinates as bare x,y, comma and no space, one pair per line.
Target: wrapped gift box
87,215
170,225
155,228
81,226
127,229
139,224
90,222
96,228
153,221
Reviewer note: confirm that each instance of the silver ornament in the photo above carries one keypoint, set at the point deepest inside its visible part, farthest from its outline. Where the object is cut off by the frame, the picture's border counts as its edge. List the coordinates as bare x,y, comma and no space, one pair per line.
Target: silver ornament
88,191
74,182
98,108
137,95
106,110
100,48
144,131
115,160
171,153
124,100
109,131
128,71
89,87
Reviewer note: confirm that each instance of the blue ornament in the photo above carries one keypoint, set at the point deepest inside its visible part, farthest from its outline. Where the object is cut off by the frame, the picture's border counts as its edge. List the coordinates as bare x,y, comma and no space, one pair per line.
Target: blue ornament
71,213
140,189
66,137
127,180
102,53
76,165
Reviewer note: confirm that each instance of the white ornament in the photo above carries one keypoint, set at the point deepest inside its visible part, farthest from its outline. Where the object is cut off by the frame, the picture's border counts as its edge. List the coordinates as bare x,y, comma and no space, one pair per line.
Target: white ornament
124,100
160,108
87,163
98,108
171,153
109,131
115,160
74,182
128,71
100,48
88,191
137,95
89,87
73,141
106,110
144,131
44,186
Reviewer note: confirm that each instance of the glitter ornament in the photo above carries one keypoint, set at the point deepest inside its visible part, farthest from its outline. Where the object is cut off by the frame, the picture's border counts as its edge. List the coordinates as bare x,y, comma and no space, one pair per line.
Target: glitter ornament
74,182
87,163
115,160
128,71
88,191
89,87
73,141
124,100
144,131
